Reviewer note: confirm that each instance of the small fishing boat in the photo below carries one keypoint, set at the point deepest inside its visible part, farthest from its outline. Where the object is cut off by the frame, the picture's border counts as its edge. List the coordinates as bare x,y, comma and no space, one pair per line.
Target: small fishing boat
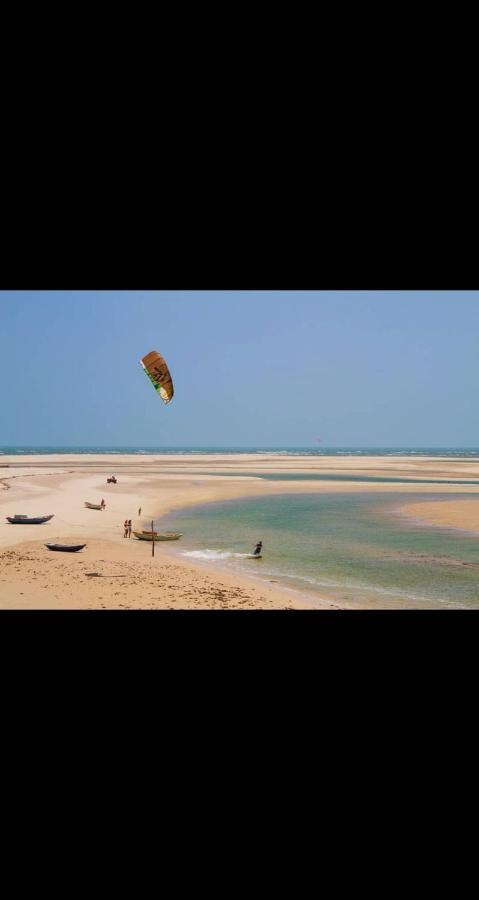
28,520
66,548
158,535
94,505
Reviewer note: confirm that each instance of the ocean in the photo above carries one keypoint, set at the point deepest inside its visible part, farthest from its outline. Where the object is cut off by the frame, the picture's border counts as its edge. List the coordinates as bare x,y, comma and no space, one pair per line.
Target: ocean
356,549
449,452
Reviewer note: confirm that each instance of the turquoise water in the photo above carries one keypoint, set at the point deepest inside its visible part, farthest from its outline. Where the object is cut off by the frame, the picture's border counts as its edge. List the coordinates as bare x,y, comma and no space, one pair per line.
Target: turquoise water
354,548
319,476
452,452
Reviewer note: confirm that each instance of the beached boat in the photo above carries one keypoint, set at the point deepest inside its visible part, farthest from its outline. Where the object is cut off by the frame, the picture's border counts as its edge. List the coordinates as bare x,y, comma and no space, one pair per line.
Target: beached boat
66,548
28,520
158,535
94,505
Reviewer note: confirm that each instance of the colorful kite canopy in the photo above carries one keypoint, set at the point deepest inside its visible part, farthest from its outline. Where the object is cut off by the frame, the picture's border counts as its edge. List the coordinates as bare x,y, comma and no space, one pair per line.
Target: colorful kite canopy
159,374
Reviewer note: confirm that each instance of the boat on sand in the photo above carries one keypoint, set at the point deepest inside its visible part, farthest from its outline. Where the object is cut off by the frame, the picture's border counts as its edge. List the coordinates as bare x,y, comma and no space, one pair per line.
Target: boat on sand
158,535
94,505
66,548
28,520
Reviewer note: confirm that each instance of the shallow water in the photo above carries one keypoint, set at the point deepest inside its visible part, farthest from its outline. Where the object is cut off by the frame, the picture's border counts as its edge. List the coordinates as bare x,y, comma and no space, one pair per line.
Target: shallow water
320,476
355,548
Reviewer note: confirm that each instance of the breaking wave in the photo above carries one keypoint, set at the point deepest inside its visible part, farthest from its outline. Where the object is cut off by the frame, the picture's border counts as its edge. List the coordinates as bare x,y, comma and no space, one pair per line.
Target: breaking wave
214,554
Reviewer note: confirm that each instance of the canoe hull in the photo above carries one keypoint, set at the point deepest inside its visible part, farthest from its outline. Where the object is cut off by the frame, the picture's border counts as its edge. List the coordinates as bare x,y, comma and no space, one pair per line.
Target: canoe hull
66,548
35,520
147,536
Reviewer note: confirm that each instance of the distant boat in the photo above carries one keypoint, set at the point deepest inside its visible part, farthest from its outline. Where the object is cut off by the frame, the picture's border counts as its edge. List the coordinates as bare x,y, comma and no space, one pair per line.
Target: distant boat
158,535
94,505
66,548
27,520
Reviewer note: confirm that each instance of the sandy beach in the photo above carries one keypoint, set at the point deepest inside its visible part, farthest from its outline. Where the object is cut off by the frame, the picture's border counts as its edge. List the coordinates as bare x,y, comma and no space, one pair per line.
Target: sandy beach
116,573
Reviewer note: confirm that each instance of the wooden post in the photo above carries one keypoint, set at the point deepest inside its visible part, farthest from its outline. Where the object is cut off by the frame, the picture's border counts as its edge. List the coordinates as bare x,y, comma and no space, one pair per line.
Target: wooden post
152,539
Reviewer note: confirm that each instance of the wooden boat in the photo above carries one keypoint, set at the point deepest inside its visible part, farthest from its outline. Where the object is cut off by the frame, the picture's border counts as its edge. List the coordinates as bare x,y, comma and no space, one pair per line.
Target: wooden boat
66,548
158,535
94,505
28,520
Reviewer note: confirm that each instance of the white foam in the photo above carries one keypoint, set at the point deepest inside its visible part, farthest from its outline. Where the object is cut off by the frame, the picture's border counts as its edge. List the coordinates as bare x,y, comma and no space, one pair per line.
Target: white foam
214,554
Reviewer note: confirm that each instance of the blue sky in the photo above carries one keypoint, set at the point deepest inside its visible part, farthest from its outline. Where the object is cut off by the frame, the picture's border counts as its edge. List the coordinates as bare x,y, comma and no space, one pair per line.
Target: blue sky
250,368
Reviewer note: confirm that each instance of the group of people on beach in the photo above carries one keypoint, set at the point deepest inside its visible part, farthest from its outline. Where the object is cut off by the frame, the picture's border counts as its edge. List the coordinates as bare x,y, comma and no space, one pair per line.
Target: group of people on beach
127,525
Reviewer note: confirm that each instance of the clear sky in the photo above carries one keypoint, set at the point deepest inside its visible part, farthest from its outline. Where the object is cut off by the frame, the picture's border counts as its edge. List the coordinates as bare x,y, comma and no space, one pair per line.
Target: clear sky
249,368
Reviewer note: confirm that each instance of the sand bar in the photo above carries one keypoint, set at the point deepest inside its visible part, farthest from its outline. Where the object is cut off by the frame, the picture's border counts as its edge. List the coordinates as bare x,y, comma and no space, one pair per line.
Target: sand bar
462,514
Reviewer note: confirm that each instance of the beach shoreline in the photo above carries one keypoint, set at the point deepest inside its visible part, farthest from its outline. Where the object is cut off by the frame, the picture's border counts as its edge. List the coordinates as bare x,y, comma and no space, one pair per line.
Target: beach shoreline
158,483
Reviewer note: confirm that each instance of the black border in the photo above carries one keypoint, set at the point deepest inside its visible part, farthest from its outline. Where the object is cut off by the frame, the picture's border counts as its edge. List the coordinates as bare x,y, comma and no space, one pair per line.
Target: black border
306,225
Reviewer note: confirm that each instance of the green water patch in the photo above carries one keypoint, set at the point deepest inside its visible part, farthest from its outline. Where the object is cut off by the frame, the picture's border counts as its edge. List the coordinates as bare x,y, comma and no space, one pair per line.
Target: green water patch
317,476
356,548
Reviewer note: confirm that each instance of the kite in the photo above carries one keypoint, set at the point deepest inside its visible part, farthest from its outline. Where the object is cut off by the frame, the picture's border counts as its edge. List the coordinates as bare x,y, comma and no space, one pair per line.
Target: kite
159,374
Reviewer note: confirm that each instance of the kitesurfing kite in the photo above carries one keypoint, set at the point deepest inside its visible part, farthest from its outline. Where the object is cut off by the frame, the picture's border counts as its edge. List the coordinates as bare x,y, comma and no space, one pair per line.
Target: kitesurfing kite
159,374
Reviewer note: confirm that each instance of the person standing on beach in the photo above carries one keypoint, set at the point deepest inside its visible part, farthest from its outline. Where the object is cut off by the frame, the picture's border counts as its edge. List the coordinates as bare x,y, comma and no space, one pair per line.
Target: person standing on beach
139,511
125,527
129,528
